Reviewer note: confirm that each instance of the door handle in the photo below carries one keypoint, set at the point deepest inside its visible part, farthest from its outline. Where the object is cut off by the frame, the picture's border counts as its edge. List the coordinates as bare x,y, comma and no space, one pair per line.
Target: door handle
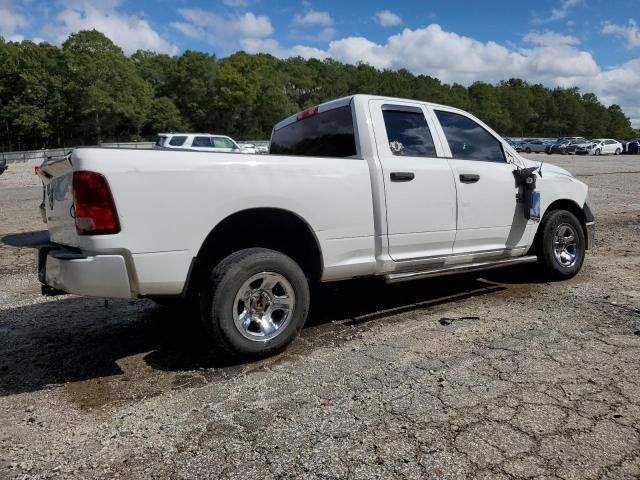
469,177
402,176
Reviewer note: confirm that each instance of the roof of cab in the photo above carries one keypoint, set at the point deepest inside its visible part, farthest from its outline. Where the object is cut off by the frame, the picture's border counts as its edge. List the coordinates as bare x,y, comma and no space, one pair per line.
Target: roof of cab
341,102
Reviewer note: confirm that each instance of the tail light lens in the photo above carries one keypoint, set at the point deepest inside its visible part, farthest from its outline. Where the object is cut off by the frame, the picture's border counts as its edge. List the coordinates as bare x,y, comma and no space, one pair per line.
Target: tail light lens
95,212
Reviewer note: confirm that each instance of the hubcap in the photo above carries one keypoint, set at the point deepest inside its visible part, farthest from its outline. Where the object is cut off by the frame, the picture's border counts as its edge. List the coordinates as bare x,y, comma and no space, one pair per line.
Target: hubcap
263,306
565,245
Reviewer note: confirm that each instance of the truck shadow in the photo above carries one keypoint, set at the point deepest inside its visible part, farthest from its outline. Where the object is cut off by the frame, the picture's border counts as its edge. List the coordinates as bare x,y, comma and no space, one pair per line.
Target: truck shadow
75,339
26,239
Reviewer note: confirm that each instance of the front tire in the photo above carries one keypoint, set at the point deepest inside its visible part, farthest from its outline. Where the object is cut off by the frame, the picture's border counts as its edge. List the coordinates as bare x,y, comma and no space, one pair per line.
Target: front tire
254,303
618,151
562,244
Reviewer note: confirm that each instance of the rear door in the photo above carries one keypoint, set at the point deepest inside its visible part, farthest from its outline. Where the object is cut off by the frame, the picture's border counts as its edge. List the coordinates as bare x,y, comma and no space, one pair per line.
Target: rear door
490,218
419,188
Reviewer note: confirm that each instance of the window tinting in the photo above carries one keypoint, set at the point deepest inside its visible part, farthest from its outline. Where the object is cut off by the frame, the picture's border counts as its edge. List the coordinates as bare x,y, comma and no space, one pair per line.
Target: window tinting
204,142
327,134
468,140
408,133
177,141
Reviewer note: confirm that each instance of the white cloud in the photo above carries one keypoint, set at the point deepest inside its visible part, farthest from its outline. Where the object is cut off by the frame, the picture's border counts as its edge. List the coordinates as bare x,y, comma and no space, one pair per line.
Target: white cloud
549,39
552,59
227,32
272,46
387,18
11,22
129,32
558,13
314,17
619,84
455,58
629,32
326,34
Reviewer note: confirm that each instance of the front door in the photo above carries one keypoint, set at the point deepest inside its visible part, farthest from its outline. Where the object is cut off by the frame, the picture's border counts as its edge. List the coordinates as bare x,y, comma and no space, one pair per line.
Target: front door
490,218
420,191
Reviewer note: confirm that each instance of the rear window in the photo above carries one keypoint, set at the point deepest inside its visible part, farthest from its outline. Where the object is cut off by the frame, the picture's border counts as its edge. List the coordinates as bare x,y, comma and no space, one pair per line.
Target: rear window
327,134
177,141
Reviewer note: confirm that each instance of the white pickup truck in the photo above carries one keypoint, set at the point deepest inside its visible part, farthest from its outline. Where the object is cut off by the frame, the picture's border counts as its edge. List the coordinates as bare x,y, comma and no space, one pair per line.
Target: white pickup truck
360,186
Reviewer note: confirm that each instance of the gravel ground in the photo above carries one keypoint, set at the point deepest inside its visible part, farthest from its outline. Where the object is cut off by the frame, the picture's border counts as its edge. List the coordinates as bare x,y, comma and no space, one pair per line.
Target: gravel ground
542,380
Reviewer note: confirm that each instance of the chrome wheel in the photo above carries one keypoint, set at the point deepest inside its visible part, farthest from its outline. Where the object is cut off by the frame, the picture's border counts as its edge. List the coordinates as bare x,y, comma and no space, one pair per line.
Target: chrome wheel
263,306
565,245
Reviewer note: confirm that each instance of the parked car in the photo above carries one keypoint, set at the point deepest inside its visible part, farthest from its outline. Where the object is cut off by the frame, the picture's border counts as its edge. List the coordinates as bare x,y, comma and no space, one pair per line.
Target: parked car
203,142
535,145
514,143
565,145
585,148
633,146
606,146
344,193
3,165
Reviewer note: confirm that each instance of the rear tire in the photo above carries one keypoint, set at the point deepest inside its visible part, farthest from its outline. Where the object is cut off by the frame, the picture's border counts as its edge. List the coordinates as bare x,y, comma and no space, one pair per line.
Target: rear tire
597,152
528,150
618,151
254,303
561,247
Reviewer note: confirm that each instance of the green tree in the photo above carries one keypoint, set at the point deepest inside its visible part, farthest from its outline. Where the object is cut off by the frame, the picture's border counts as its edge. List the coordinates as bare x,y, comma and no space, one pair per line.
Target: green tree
164,116
193,88
110,98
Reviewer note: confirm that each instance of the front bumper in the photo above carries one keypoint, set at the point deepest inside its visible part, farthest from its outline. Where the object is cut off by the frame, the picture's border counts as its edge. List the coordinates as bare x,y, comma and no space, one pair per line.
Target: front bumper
84,274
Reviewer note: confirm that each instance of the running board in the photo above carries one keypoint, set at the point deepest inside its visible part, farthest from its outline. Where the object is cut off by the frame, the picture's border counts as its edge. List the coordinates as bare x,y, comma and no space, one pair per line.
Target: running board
464,268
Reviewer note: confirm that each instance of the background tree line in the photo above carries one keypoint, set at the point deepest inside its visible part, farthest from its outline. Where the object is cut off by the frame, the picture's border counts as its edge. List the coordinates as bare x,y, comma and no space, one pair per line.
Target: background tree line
88,91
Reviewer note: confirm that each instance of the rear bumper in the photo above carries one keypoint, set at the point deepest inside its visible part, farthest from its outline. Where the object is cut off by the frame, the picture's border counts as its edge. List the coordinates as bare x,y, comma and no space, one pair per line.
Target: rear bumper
84,274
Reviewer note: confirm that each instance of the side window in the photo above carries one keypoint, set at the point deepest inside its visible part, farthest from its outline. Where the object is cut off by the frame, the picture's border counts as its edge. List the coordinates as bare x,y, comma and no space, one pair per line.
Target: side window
408,133
468,140
177,141
221,142
204,142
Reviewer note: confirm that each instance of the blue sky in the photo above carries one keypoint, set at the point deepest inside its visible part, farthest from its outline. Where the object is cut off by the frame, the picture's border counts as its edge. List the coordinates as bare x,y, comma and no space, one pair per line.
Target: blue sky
592,44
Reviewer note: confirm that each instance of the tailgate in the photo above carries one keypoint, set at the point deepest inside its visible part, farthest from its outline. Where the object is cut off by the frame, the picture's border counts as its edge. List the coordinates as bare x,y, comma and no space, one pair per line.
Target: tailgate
57,176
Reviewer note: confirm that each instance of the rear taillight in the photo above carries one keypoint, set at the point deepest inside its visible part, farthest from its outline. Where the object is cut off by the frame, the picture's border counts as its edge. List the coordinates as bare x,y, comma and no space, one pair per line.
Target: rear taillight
95,212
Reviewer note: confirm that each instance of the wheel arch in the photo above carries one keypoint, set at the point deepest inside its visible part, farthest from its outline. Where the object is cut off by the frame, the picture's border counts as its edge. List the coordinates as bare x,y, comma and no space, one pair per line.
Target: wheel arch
267,227
569,206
